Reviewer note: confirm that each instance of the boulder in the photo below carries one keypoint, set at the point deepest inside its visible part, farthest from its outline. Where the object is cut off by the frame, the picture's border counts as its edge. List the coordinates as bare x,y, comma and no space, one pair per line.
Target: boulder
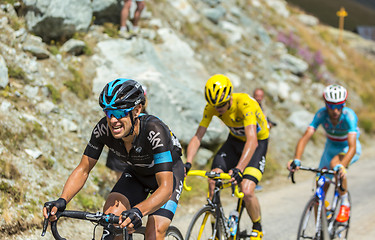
55,19
4,80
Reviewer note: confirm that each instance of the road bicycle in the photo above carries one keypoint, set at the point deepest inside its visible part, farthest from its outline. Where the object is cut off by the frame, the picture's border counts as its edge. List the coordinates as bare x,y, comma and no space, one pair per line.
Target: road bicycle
210,222
108,220
318,220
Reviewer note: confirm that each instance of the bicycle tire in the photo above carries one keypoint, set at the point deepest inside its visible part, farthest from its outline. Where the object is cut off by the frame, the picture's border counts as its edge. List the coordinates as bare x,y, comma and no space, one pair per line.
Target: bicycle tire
172,233
309,223
203,226
341,230
244,223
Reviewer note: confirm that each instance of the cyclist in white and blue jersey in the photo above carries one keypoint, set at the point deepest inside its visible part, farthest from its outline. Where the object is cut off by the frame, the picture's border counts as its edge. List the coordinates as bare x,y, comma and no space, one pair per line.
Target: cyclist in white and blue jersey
342,146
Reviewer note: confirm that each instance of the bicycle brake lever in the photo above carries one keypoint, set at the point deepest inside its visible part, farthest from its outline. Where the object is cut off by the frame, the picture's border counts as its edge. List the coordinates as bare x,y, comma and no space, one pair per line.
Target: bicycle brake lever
233,188
45,222
291,175
45,225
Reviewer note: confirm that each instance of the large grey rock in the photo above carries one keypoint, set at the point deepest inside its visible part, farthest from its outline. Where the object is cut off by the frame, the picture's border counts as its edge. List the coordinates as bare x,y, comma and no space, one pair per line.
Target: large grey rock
4,80
55,19
35,46
175,94
293,64
214,14
107,11
73,46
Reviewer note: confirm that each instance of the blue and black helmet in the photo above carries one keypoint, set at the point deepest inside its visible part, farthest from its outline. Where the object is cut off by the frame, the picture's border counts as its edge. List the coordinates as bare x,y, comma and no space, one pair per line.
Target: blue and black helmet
121,94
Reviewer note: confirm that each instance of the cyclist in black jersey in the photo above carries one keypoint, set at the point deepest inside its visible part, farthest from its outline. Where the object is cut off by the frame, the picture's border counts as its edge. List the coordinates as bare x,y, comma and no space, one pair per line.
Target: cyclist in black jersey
152,154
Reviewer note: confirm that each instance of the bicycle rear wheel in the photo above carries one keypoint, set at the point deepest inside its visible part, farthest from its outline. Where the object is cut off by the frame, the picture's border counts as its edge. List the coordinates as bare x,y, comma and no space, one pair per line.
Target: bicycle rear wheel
341,230
310,226
203,226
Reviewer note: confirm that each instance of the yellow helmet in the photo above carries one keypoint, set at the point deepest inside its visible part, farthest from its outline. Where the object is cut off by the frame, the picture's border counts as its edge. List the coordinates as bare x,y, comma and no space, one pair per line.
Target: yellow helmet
218,90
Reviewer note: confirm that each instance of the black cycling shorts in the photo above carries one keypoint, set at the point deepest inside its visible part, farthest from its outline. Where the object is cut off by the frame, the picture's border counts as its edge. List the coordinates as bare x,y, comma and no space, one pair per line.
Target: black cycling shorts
230,153
136,190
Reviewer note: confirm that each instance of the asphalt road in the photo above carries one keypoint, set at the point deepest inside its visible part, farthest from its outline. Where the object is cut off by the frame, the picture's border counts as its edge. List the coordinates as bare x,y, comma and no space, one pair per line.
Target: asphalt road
281,202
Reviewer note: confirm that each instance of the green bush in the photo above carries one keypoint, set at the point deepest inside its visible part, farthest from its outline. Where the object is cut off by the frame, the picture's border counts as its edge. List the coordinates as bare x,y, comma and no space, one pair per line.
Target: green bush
54,93
16,72
110,29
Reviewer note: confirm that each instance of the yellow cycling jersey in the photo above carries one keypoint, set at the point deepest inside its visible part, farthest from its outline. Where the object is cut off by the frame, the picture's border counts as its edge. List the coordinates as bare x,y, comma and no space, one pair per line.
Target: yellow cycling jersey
244,111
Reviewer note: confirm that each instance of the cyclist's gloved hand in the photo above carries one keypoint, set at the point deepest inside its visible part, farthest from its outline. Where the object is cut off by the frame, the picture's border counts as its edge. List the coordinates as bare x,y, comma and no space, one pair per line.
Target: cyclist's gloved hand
187,167
237,175
60,204
293,164
135,216
340,168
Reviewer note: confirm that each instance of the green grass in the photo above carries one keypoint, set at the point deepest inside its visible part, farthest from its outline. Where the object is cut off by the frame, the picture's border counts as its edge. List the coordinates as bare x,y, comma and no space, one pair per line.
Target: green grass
111,29
12,140
8,170
16,72
77,85
54,93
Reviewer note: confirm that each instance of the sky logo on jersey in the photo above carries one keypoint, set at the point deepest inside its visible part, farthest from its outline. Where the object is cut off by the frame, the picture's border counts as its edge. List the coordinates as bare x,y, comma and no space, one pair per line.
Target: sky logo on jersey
154,140
100,130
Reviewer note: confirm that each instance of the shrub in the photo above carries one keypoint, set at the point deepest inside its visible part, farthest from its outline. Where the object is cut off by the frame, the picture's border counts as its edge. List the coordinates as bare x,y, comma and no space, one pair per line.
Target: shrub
54,93
77,85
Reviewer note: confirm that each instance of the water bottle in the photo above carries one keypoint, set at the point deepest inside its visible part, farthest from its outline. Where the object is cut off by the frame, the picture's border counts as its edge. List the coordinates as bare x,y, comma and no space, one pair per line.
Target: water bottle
328,209
233,222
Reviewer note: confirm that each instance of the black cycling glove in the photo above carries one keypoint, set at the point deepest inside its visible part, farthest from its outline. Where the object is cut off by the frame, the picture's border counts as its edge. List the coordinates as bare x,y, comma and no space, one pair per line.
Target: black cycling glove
59,203
187,167
237,175
135,216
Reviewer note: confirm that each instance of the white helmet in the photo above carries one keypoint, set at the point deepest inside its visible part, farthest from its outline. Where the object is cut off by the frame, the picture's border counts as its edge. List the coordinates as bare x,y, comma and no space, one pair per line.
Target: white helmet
335,94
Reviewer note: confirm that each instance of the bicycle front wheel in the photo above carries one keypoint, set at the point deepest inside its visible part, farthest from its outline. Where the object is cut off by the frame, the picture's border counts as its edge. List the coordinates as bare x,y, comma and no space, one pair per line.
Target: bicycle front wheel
310,226
341,229
204,226
172,234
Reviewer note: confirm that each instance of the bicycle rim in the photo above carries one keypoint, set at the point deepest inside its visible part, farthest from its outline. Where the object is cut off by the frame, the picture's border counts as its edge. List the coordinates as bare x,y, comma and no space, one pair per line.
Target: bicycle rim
341,230
202,226
310,227
173,234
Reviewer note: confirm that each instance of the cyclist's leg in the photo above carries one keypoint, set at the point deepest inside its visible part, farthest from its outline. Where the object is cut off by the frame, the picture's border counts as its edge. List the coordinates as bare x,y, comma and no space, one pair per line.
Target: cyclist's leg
159,221
127,192
252,176
156,227
226,158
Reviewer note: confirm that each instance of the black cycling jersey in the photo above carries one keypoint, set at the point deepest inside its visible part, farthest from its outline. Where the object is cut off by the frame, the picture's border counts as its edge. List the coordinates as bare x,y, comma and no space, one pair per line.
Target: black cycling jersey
154,149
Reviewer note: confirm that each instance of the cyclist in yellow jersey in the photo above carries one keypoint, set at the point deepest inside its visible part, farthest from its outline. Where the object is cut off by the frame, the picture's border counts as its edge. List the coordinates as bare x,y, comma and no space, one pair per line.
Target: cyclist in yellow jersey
243,155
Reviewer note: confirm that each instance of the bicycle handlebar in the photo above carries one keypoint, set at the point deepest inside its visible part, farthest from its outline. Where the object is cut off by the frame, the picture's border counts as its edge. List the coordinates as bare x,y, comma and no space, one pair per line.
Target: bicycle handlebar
316,170
98,217
214,175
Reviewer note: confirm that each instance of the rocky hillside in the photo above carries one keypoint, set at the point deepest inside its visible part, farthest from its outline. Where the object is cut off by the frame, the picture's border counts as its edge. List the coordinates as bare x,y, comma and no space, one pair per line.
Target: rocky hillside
53,64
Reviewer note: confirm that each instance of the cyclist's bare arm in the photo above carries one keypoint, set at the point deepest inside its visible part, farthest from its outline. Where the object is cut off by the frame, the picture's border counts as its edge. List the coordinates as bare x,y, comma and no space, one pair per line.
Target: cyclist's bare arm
156,200
250,145
75,181
302,144
352,143
195,143
78,178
